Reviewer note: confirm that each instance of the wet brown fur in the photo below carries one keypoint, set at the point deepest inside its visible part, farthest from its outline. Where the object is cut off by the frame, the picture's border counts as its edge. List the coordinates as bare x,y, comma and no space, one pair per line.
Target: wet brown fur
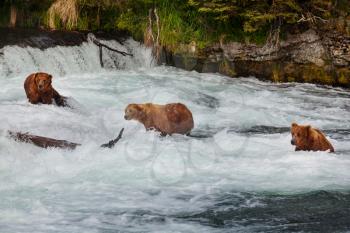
38,88
167,119
306,138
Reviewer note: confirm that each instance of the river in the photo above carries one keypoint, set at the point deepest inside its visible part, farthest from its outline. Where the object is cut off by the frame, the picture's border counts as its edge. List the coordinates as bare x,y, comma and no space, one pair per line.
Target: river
240,174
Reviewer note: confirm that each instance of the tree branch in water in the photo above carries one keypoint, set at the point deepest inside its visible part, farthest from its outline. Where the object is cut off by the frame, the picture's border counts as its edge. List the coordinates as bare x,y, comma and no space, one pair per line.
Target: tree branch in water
111,143
100,45
96,42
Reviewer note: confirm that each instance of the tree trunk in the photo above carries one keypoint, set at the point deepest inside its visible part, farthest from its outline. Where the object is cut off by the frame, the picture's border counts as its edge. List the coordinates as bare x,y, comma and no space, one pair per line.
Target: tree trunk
98,19
13,17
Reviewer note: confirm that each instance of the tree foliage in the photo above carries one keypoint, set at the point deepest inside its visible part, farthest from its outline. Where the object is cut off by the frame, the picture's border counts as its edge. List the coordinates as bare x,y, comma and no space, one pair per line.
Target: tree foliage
254,14
181,21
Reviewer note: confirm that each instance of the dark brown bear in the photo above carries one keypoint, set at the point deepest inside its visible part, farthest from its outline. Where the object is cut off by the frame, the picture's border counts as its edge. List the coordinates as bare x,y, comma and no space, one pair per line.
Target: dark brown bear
167,119
39,90
306,138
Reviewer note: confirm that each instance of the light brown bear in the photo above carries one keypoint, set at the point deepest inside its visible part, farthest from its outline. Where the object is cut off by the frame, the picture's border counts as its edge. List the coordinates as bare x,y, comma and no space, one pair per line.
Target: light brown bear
39,90
167,119
304,137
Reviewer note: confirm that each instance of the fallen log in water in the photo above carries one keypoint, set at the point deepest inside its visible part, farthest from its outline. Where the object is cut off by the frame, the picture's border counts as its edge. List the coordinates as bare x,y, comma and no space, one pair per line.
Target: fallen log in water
43,142
46,142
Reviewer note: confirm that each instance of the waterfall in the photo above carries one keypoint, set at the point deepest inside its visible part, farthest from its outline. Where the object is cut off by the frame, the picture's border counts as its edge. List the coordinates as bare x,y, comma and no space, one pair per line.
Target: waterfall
62,60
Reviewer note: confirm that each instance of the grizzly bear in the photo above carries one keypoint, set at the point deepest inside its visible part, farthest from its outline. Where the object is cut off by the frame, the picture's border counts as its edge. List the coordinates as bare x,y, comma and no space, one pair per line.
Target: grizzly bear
304,137
39,90
167,119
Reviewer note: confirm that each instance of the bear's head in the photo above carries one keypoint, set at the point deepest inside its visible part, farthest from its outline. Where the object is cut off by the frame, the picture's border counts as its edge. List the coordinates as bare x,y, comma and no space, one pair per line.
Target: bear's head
134,112
300,135
43,81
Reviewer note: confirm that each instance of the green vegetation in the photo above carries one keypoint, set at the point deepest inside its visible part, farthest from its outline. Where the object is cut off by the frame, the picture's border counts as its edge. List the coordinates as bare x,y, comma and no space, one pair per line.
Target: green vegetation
180,21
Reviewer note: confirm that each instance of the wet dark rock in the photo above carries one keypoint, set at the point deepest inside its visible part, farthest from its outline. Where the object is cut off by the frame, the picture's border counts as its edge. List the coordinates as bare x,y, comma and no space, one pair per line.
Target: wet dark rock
44,39
321,57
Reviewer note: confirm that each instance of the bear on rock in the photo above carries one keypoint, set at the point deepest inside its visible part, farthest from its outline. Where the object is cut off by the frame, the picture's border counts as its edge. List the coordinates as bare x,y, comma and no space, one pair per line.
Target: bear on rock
39,89
306,138
168,119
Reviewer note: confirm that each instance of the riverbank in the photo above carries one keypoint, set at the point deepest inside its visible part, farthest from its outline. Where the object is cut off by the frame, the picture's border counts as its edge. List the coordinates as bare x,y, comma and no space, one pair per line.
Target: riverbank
321,57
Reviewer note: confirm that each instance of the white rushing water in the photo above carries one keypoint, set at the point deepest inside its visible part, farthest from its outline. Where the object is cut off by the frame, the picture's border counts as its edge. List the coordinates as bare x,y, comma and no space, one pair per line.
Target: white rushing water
146,182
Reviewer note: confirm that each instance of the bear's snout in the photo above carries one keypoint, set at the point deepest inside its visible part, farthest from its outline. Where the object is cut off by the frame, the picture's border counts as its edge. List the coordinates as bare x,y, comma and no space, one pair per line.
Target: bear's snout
126,117
292,142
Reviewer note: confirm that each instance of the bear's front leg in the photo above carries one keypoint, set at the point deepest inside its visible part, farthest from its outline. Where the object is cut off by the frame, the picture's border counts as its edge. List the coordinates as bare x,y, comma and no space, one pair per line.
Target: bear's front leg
163,134
46,99
34,99
60,100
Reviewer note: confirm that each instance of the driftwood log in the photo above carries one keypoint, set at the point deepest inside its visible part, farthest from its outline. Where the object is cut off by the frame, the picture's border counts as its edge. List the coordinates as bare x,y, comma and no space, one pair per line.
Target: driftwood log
46,142
43,142
100,45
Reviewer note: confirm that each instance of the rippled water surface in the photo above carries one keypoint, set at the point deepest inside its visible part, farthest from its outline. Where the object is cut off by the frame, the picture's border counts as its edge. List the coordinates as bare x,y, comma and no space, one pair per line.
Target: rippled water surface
239,174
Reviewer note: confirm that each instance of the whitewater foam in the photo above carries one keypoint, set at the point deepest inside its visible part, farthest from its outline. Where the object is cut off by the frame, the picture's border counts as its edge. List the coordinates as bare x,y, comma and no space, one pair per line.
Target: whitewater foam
146,180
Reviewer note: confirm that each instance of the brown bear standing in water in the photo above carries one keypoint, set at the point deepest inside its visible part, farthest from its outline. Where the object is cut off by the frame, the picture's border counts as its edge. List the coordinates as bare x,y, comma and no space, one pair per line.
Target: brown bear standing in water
39,90
304,137
167,119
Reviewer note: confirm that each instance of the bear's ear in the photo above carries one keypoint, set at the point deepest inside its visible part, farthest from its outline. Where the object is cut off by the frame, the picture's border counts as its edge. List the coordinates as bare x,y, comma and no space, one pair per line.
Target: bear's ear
141,112
50,78
137,107
35,78
307,129
294,124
